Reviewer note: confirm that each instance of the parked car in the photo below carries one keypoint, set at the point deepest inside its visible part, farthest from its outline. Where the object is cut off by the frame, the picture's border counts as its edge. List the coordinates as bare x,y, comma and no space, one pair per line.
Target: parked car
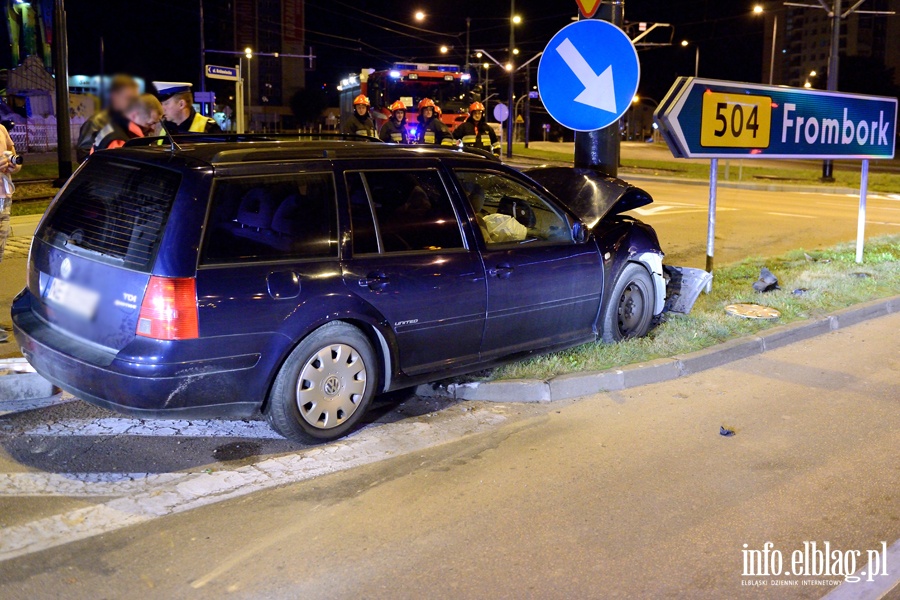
224,277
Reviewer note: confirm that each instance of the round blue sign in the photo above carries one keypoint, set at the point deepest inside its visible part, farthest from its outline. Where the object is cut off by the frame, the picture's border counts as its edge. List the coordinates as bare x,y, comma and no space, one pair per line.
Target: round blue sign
588,75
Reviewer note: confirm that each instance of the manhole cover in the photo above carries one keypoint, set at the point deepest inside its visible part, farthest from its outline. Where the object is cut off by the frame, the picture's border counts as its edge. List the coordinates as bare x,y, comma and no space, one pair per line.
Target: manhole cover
752,311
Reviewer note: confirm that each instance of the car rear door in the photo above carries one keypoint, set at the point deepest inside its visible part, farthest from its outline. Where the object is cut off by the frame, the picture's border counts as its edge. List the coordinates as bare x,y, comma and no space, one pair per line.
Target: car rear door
411,261
543,288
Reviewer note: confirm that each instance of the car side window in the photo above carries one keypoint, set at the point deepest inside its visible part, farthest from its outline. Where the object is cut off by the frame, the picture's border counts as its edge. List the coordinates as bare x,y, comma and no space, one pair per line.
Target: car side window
363,234
509,212
272,218
412,210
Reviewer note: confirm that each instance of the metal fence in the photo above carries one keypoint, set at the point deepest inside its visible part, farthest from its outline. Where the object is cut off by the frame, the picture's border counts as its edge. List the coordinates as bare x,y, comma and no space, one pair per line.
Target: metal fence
32,136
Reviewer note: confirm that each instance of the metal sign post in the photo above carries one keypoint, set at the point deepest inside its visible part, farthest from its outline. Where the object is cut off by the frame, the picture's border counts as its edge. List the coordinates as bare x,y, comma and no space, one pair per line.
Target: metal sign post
861,219
707,118
232,74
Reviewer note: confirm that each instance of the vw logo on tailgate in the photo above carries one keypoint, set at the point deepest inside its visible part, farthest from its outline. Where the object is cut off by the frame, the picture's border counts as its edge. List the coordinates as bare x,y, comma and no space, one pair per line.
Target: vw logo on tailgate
65,269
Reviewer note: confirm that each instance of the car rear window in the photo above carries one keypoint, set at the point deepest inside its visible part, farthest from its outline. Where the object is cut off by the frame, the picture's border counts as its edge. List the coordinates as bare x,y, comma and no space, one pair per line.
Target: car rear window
114,212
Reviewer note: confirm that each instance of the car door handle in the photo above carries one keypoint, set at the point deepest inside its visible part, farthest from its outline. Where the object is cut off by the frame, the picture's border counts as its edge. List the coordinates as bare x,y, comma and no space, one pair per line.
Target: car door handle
375,281
501,271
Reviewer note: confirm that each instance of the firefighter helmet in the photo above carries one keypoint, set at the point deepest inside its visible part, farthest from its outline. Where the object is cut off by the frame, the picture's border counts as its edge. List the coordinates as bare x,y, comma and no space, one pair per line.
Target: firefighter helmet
476,106
361,99
425,103
398,105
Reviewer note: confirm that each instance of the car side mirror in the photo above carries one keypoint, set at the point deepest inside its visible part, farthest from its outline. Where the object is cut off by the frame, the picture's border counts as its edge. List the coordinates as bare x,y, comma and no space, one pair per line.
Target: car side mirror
580,232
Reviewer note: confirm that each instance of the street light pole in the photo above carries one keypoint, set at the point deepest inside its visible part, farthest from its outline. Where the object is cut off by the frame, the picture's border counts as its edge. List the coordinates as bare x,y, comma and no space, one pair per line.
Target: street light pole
696,60
512,70
772,58
468,27
61,70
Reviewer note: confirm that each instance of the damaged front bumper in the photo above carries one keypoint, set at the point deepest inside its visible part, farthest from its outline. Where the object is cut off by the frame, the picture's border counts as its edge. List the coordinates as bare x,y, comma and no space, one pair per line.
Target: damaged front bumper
683,287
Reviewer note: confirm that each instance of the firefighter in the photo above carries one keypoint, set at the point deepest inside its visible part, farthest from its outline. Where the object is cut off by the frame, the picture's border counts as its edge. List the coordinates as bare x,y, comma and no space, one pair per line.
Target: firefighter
178,110
360,122
431,129
394,129
475,129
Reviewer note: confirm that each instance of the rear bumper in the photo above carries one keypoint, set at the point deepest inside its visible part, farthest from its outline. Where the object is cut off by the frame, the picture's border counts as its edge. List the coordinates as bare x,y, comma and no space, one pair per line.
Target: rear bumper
217,387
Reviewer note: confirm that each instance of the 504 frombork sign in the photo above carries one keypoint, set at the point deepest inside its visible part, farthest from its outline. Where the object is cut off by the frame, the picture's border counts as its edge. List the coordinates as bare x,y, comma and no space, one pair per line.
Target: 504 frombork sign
706,118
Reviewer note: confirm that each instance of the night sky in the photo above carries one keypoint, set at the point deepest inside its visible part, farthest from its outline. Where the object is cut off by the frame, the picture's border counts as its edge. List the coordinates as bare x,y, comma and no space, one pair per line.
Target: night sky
159,39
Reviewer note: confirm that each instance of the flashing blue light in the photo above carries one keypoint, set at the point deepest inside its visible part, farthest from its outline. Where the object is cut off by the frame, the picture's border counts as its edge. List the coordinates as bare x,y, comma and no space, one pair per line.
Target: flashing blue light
412,131
465,77
395,74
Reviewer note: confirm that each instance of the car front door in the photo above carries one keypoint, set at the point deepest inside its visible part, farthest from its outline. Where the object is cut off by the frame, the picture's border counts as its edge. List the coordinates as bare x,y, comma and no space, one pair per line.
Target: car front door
411,262
543,288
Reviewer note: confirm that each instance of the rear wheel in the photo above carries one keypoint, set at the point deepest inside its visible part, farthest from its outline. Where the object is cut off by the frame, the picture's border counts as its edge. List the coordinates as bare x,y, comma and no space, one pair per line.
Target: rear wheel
325,386
629,311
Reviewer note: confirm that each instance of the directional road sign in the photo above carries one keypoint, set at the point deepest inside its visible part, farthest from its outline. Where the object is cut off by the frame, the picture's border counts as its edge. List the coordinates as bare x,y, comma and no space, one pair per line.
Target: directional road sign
227,73
706,118
588,75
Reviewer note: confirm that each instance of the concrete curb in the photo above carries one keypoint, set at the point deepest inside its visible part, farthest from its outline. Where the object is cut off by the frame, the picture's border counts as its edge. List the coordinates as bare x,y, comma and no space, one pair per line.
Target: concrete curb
21,383
576,385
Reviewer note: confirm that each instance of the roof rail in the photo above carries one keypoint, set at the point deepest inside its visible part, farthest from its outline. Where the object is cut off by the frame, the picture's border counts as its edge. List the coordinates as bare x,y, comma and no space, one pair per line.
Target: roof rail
214,138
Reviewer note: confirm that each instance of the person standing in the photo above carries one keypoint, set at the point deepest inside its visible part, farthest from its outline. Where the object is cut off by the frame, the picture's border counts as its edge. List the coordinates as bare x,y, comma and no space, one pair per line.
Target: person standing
431,129
7,168
394,129
475,129
141,119
178,110
360,122
123,90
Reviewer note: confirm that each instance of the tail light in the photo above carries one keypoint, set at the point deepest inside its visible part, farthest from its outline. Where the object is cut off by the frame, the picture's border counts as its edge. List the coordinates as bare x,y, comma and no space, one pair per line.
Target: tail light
169,309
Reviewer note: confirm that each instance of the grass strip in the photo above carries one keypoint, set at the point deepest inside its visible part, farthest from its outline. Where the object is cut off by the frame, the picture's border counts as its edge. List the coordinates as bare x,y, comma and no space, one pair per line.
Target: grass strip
832,280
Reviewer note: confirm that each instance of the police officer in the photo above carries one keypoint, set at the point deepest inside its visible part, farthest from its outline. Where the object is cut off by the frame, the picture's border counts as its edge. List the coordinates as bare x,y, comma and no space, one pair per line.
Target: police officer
178,109
475,129
431,129
394,129
360,122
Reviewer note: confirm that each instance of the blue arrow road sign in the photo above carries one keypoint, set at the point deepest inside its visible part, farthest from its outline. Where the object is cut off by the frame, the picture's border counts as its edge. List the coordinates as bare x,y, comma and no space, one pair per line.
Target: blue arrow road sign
228,73
706,118
588,75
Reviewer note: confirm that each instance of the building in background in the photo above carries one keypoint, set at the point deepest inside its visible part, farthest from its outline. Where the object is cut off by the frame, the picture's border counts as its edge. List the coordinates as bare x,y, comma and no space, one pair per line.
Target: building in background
28,31
266,27
803,41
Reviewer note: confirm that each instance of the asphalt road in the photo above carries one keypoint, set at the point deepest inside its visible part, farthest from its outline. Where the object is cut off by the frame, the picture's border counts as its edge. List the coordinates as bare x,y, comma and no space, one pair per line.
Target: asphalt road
624,495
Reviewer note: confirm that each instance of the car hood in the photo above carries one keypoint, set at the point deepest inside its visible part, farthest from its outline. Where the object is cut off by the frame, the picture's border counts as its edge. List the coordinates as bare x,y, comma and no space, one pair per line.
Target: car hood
589,194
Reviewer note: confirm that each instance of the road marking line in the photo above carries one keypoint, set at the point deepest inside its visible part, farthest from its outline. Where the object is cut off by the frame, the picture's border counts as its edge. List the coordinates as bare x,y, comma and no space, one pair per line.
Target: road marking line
883,223
781,214
870,590
201,489
156,428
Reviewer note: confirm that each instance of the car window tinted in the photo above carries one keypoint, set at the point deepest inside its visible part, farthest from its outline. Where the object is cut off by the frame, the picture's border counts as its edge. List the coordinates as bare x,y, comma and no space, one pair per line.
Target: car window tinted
509,212
413,210
272,218
114,211
363,235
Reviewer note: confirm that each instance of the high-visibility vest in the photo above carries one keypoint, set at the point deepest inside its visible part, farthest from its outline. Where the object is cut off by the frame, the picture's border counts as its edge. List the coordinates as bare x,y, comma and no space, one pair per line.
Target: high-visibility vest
198,125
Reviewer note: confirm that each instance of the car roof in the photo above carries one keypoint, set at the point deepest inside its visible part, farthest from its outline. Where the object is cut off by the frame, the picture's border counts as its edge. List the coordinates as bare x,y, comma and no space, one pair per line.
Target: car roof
224,149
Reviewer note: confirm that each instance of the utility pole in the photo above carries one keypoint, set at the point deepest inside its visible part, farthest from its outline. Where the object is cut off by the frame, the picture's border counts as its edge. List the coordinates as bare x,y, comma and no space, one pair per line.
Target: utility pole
833,62
599,149
61,70
512,72
527,102
468,27
202,51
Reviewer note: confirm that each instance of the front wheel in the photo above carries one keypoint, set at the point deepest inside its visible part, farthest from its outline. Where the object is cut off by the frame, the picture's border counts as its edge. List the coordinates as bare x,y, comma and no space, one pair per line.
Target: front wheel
629,310
325,386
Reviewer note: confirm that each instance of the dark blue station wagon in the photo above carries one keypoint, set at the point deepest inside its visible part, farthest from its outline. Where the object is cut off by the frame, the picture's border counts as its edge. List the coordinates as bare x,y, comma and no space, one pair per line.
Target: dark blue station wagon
302,278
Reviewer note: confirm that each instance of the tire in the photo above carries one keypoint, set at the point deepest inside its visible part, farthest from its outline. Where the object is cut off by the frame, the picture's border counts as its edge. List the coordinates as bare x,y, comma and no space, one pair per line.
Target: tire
629,309
325,386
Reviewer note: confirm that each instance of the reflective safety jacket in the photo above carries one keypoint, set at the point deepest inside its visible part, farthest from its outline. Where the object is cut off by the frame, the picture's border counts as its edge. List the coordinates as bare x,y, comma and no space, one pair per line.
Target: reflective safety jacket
354,125
433,131
195,123
473,133
114,135
395,132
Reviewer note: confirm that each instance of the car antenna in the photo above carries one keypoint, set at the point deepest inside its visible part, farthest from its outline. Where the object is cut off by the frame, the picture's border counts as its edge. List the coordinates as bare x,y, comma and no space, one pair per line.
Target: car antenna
174,145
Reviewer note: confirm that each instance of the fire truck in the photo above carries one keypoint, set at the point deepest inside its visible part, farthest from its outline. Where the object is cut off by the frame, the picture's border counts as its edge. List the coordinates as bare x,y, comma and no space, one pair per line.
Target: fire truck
447,85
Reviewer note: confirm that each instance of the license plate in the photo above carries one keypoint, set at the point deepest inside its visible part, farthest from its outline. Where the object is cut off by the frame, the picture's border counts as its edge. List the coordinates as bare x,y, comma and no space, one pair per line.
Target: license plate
74,298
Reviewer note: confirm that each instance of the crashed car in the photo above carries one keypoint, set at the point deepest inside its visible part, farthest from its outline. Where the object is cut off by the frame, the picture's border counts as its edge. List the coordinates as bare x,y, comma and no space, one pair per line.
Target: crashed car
224,276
